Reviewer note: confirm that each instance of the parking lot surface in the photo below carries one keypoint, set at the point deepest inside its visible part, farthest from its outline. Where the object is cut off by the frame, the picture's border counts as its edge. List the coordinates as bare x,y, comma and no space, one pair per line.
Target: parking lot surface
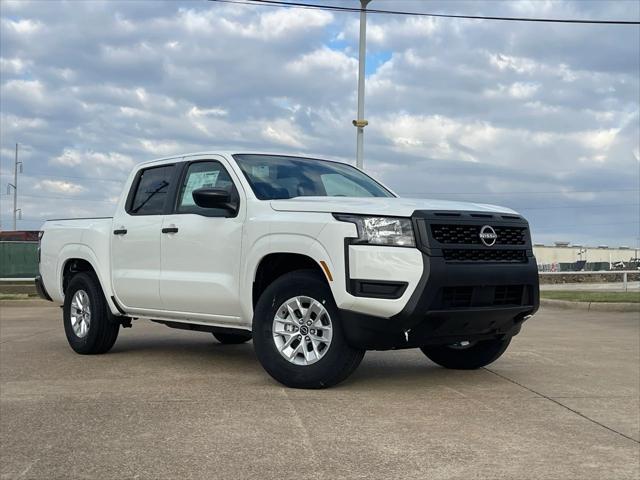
562,403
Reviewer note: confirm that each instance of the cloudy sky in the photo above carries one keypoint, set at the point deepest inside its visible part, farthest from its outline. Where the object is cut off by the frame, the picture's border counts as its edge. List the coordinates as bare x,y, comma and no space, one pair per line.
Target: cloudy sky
543,118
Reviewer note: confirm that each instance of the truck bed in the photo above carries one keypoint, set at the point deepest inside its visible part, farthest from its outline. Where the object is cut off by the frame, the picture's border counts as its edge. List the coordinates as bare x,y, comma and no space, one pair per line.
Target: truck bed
85,238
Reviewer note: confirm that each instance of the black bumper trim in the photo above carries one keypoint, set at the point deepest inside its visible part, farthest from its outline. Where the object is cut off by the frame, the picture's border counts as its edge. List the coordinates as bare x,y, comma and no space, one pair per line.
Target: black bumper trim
424,321
42,292
377,288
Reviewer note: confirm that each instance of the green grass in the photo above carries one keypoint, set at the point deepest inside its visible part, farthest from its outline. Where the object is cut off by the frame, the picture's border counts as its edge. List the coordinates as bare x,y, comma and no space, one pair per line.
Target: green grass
18,296
580,296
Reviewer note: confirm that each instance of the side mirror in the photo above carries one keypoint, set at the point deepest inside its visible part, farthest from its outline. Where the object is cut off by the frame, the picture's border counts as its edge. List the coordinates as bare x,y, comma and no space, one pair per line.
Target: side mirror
211,198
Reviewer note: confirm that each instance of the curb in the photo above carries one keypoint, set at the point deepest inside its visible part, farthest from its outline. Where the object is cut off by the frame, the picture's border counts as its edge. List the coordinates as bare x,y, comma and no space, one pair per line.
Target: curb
591,306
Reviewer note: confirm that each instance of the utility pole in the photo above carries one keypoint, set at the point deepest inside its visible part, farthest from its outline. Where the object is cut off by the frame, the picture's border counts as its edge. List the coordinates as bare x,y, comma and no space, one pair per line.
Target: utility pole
14,185
360,123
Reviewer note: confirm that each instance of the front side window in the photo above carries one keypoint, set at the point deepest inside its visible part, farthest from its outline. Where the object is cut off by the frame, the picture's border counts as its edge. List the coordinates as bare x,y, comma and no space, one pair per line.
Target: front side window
275,177
210,174
152,191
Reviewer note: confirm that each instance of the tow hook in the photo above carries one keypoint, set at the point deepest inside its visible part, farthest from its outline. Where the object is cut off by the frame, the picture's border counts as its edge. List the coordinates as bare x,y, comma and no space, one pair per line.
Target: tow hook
406,335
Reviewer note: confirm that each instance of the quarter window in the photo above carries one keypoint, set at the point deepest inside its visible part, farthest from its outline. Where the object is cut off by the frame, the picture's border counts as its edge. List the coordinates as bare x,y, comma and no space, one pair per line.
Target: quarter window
152,191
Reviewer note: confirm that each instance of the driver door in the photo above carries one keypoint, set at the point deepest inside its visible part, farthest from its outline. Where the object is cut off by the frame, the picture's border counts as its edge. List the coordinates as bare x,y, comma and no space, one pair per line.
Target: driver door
200,247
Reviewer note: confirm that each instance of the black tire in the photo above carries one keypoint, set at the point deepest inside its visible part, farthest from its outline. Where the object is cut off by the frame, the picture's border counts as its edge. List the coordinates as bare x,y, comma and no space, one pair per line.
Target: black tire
336,364
475,356
102,330
232,338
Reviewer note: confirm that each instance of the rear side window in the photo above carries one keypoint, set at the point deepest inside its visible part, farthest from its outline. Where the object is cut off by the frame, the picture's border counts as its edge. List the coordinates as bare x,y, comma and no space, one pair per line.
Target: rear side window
152,191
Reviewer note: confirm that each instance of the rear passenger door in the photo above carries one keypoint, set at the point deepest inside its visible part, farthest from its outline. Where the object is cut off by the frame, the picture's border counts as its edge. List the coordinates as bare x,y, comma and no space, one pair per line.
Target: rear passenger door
135,242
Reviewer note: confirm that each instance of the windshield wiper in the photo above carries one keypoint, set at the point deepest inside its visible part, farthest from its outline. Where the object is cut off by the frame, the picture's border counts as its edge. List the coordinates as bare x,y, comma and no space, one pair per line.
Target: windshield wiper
163,184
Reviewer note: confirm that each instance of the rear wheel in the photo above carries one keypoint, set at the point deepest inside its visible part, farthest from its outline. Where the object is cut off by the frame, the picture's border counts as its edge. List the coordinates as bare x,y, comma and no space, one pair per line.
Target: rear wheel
232,338
465,355
87,319
297,333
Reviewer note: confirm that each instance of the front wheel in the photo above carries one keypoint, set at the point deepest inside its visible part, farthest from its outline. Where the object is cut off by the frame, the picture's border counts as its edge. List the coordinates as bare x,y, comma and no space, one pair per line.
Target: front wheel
297,333
465,355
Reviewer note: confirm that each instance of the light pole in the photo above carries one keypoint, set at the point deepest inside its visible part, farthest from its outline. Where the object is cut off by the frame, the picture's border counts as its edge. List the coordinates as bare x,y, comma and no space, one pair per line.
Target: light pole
16,210
360,122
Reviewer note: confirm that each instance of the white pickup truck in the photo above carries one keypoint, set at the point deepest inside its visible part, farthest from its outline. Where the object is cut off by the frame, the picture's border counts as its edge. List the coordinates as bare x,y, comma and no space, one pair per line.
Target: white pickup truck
312,259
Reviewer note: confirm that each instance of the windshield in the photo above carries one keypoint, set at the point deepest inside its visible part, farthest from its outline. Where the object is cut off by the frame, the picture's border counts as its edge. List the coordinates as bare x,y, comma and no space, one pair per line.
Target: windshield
275,177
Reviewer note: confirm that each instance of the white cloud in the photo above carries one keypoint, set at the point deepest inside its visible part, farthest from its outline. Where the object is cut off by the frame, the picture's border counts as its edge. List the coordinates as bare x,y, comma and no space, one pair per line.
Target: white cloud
160,148
12,65
283,132
205,112
59,186
522,89
437,136
270,25
24,26
324,60
72,157
31,89
599,140
16,123
519,90
517,64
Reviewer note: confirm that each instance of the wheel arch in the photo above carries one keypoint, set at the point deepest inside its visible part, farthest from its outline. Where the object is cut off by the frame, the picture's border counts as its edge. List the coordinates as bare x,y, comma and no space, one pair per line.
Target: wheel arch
79,258
274,265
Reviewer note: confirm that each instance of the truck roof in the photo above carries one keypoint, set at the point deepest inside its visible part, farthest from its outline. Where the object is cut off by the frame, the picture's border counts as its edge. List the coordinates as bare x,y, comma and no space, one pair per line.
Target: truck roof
230,153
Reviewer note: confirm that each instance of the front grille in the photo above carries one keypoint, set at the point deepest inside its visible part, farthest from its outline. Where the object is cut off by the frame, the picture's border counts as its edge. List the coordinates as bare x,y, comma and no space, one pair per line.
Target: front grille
452,234
456,234
484,255
483,296
508,295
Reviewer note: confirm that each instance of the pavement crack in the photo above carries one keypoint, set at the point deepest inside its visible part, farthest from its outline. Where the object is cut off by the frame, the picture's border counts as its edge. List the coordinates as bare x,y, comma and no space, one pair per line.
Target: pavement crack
542,395
305,433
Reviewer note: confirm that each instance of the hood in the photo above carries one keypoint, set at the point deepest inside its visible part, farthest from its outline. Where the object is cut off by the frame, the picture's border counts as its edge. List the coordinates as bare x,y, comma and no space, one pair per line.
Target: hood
389,206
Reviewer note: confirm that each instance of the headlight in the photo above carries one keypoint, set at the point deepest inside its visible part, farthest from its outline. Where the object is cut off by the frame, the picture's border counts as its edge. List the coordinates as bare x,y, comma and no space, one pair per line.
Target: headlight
391,231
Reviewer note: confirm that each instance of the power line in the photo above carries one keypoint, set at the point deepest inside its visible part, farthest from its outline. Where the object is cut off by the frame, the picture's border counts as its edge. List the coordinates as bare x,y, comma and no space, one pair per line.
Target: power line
336,8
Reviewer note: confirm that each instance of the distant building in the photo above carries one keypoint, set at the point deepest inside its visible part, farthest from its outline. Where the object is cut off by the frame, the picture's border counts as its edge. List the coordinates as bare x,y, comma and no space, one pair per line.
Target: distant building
566,257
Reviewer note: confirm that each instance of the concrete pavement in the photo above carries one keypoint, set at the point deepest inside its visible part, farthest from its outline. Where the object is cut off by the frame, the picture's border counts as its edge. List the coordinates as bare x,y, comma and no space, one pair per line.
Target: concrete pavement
562,403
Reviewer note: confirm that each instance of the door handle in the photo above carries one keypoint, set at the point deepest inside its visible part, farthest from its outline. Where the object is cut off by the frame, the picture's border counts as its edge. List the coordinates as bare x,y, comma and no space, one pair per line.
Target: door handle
170,230
120,231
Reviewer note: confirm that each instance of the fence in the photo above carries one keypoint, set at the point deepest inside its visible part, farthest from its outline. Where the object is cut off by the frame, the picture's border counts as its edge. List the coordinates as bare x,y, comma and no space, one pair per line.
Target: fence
18,259
618,276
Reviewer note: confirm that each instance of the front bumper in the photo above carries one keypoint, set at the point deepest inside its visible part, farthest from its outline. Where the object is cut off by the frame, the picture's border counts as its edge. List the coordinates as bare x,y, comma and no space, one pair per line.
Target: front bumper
454,300
431,317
